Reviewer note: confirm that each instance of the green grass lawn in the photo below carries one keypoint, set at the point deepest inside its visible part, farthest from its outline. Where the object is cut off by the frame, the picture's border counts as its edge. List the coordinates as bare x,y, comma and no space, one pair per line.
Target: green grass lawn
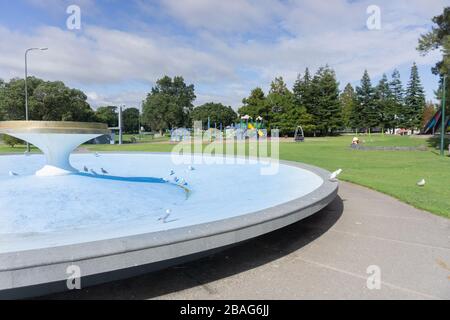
391,172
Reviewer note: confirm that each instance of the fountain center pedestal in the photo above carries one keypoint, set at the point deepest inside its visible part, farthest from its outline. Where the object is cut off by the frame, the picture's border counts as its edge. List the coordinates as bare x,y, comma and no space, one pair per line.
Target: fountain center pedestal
56,139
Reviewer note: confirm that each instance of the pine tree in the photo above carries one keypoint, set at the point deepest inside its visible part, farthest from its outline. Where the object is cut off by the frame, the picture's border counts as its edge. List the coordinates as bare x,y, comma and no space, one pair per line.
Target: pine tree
348,104
302,91
398,107
414,100
384,102
304,100
327,113
366,103
285,113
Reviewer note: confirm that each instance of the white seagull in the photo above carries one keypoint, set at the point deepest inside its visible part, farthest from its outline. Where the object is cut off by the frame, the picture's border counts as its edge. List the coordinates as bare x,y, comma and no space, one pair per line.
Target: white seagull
191,168
12,173
421,183
97,154
334,175
164,219
104,171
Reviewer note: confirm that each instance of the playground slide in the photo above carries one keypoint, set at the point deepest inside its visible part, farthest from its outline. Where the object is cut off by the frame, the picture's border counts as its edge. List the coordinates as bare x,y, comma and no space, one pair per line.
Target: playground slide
434,124
252,127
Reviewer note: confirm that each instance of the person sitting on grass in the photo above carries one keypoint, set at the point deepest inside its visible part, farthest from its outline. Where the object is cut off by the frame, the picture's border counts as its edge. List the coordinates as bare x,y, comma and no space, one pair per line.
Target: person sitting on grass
355,140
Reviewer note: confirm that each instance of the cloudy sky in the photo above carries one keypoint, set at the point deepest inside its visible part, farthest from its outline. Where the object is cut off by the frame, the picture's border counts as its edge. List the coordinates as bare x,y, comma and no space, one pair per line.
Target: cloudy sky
225,48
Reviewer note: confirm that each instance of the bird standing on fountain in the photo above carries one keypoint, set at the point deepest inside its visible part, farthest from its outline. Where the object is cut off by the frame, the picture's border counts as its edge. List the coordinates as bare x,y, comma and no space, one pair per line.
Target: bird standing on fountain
93,172
86,169
164,219
104,171
334,175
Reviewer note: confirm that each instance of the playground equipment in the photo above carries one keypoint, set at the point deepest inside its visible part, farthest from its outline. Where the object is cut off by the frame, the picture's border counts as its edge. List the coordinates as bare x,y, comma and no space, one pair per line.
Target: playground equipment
180,134
257,125
435,123
299,134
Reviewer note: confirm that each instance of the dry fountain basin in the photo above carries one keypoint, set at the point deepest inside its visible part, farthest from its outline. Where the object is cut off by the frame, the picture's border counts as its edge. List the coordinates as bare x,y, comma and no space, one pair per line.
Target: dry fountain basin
110,216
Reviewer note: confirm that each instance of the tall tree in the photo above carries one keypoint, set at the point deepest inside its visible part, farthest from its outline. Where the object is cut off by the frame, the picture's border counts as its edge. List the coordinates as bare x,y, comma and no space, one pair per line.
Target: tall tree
47,101
366,103
439,38
414,100
302,91
256,105
215,112
304,98
54,101
348,104
286,115
130,118
12,97
327,113
108,115
169,104
398,103
385,103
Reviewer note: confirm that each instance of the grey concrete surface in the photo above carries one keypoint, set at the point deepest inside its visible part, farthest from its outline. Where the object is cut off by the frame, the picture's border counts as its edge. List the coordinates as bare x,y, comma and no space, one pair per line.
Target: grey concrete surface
36,272
322,257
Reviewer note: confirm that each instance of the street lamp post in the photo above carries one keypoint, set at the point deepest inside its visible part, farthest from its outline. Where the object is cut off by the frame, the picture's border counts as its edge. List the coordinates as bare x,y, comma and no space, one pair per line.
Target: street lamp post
140,133
26,88
443,119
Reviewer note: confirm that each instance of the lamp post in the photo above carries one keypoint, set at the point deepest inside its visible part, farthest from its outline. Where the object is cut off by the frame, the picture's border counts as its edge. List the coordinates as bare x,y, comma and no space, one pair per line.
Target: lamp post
443,119
26,88
139,120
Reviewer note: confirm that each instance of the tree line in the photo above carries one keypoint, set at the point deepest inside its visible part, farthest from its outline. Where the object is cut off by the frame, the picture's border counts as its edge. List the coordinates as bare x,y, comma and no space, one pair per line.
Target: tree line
54,101
314,102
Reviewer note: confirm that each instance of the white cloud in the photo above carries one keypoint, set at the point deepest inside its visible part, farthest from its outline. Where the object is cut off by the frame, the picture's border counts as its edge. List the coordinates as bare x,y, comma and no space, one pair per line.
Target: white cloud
232,47
219,15
126,98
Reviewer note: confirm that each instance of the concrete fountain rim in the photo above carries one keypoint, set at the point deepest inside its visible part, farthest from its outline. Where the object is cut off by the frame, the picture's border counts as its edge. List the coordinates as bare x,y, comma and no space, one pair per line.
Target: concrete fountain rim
315,200
61,127
43,271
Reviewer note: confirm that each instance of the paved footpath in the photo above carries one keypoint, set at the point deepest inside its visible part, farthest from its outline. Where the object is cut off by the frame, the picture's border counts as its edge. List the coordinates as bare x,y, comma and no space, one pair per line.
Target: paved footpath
323,257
